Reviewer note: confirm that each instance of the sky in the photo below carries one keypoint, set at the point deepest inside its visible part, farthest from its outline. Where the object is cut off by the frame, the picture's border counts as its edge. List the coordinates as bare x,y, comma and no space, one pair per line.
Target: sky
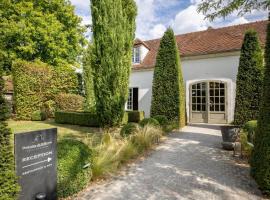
155,16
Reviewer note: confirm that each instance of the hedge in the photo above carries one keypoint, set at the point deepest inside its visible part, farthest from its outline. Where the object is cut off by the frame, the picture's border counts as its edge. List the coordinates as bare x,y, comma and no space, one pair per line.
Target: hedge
168,96
8,181
249,80
260,160
149,121
36,84
135,116
69,102
77,118
73,175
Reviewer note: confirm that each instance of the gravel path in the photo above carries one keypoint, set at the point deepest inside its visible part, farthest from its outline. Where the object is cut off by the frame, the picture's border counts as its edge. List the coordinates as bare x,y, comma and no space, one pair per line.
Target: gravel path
189,165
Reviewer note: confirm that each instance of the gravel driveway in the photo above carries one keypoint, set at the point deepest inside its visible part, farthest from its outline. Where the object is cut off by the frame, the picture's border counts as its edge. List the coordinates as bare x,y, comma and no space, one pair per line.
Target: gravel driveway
189,165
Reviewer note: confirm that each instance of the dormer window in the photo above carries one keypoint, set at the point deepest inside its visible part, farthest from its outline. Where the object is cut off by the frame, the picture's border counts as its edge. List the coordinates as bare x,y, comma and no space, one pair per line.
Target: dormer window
136,55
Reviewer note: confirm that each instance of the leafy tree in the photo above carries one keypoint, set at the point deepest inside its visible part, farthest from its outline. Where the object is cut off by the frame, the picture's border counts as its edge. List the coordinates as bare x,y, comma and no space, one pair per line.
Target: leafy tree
260,160
47,30
88,81
8,180
113,35
250,71
168,87
222,8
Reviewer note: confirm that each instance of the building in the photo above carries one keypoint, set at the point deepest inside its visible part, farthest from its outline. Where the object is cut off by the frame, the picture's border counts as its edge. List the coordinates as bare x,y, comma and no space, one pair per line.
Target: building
209,62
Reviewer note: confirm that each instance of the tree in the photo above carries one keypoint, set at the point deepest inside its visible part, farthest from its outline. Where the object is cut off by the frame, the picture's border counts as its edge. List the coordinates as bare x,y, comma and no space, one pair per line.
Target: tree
47,30
260,160
222,8
88,81
250,71
8,181
168,87
113,35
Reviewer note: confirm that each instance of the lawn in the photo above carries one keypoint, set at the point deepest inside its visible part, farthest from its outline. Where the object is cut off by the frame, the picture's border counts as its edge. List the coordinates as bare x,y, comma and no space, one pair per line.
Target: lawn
64,131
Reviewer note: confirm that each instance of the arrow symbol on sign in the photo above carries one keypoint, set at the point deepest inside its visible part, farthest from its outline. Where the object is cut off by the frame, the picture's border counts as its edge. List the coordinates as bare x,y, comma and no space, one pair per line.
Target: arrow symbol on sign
36,163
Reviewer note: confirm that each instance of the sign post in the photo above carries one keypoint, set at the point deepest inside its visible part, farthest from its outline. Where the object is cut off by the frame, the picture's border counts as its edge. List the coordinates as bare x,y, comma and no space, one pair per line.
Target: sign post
36,167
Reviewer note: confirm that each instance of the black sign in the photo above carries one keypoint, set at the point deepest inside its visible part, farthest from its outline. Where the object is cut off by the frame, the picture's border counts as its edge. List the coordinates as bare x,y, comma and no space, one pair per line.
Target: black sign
35,156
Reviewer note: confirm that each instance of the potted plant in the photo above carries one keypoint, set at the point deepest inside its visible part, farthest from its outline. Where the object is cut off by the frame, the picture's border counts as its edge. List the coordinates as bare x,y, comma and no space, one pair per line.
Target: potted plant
230,133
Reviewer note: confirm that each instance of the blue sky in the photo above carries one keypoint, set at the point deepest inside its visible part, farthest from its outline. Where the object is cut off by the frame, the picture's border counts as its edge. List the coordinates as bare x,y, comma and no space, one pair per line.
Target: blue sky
154,16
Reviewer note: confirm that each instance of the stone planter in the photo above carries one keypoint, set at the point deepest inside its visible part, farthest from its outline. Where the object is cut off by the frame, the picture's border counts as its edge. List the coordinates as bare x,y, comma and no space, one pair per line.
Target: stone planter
229,136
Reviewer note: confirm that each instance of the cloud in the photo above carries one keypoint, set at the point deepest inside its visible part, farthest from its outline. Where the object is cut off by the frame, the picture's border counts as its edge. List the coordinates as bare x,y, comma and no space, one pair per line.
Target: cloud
189,20
82,6
157,31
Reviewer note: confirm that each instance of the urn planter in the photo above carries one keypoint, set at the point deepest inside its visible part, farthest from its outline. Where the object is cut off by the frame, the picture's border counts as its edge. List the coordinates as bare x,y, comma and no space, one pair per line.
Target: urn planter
229,136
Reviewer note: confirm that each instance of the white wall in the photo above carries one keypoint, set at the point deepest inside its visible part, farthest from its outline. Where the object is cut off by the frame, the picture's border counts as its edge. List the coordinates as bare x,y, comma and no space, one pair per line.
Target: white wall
217,68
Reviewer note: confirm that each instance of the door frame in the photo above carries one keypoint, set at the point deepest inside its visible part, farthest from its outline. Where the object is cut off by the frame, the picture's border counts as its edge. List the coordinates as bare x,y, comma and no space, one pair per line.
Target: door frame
207,111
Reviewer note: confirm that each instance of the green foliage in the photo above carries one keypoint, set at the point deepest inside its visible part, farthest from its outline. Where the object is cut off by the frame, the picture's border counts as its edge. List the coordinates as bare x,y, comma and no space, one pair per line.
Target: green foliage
113,35
129,129
90,104
8,181
246,146
45,30
77,118
36,84
168,74
250,127
149,121
222,8
135,116
260,161
72,175
250,71
162,120
38,116
69,102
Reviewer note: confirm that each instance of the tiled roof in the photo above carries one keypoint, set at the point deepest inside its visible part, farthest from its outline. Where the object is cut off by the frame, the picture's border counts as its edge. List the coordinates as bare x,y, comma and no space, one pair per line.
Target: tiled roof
210,41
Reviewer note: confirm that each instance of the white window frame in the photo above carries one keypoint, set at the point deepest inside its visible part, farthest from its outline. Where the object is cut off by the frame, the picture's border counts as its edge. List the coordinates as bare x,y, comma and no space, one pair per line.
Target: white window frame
136,55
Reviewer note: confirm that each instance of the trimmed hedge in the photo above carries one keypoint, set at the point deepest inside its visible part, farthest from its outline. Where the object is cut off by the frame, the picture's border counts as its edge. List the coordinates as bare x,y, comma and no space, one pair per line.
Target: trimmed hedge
36,84
260,160
162,120
69,102
9,187
168,86
73,176
38,116
249,80
76,118
133,116
149,121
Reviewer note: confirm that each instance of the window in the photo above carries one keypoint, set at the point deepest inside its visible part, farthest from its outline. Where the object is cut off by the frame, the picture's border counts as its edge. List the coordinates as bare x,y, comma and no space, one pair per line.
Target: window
136,55
132,103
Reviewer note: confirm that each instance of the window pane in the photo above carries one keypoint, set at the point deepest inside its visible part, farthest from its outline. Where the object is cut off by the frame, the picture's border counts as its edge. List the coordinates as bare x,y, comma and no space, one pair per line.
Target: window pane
193,107
203,93
198,92
193,100
211,100
194,86
222,85
193,93
216,92
198,99
203,100
216,100
211,92
222,92
199,107
203,107
216,85
212,107
211,85
222,100
222,107
216,107
198,86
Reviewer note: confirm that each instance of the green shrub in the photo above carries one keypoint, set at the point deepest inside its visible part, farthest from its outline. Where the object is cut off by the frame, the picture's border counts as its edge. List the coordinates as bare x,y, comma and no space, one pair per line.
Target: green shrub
260,159
9,187
135,116
250,127
149,121
69,102
76,118
38,116
129,129
72,177
168,86
246,146
249,80
36,83
162,120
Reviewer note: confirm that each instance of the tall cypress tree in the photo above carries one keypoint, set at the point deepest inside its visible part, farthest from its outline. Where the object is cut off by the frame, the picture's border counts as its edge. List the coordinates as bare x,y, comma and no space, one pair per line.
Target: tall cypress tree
113,35
8,181
249,80
168,87
260,160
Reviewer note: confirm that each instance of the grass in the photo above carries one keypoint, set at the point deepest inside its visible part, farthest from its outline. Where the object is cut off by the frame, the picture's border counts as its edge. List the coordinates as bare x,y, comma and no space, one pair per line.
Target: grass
64,131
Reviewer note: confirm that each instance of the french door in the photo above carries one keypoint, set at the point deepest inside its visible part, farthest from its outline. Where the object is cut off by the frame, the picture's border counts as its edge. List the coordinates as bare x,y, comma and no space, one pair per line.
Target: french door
208,101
